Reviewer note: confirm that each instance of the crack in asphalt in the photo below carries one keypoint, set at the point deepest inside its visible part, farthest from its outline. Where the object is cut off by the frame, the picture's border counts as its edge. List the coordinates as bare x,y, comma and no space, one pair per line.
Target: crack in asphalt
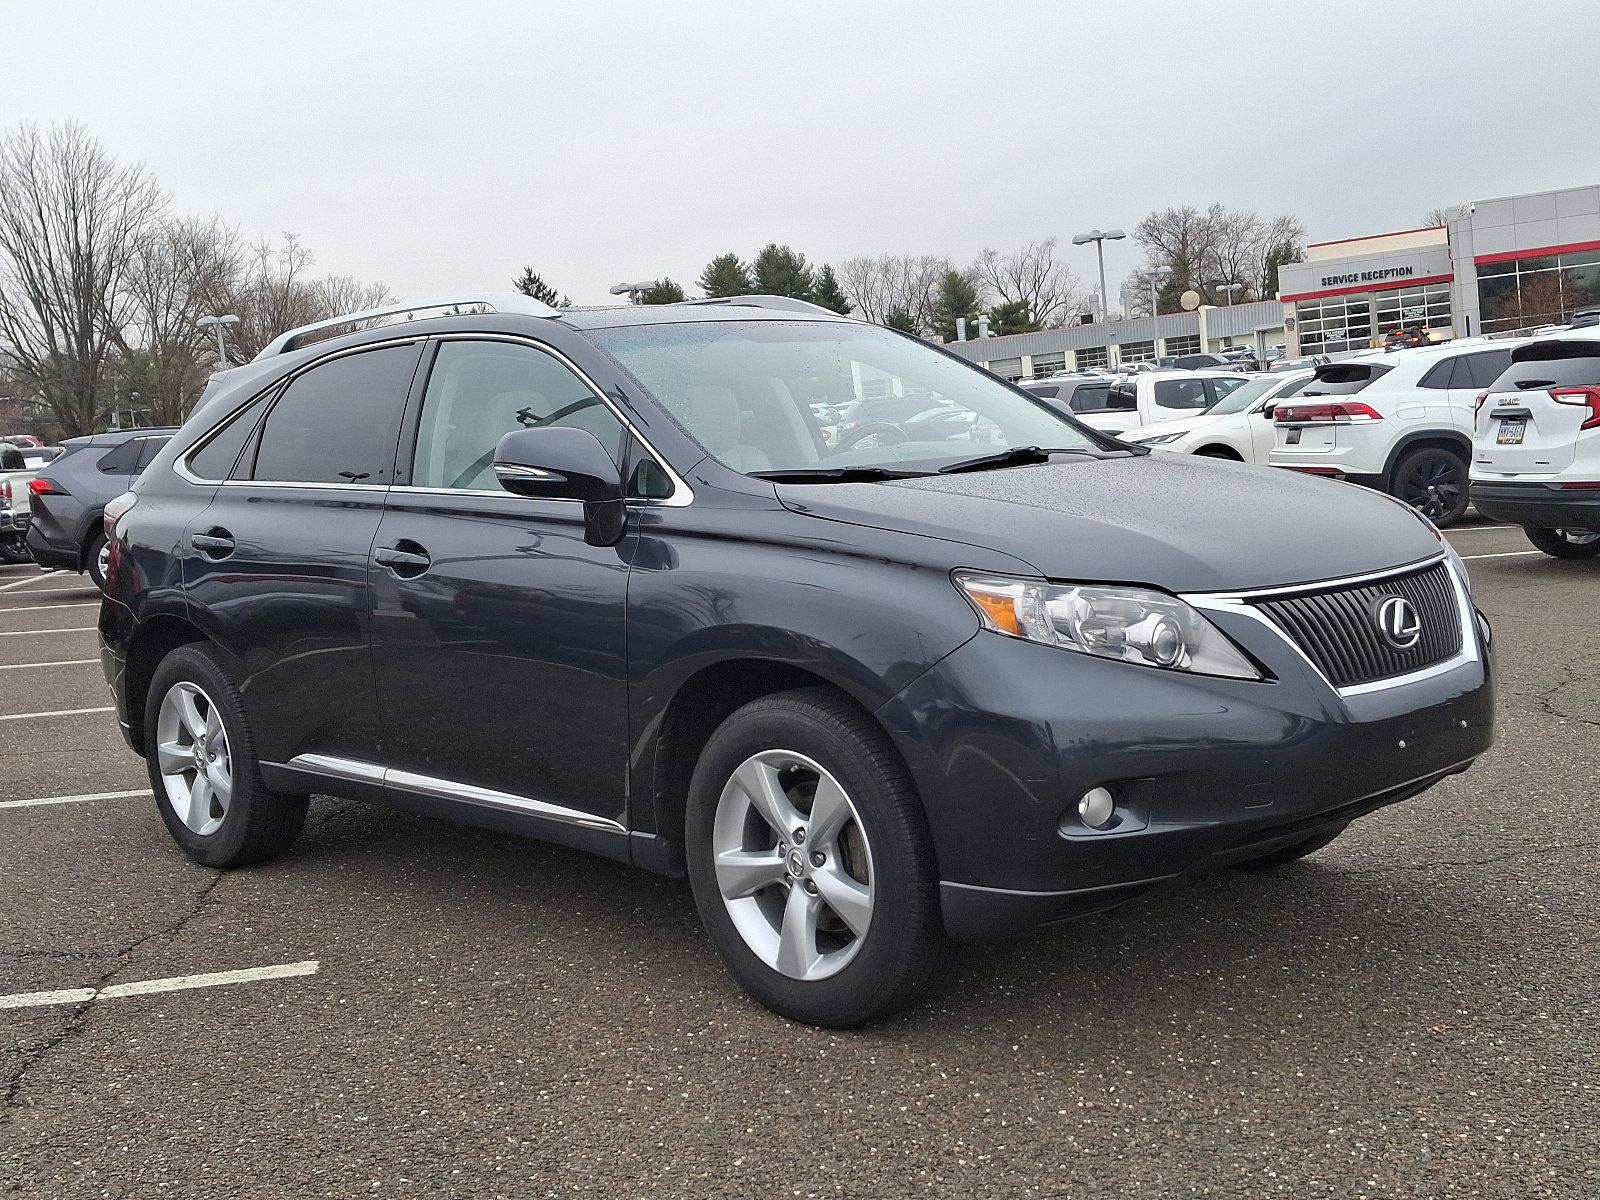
80,1011
1487,860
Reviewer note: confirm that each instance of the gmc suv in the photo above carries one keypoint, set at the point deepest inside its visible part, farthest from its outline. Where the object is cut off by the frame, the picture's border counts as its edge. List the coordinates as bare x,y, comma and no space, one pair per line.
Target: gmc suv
595,576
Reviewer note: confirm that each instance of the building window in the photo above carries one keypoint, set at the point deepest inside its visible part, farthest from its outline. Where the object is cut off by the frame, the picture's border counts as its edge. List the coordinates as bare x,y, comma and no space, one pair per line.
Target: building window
1334,324
1406,308
1539,290
1007,368
1136,352
1046,365
1093,356
1189,343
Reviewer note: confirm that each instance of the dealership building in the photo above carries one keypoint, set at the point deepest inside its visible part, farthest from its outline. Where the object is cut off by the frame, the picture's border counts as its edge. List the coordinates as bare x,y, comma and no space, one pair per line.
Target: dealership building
1502,265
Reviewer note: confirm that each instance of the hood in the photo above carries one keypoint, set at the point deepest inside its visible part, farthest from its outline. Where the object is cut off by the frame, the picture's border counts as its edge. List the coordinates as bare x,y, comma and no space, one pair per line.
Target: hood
1171,521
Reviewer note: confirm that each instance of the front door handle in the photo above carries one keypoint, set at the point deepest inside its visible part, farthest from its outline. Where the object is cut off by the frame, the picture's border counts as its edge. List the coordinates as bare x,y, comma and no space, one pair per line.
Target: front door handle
218,543
405,559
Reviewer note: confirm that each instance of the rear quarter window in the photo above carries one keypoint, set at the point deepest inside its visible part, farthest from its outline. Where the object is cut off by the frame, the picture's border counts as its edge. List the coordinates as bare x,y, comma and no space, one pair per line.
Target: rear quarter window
1344,379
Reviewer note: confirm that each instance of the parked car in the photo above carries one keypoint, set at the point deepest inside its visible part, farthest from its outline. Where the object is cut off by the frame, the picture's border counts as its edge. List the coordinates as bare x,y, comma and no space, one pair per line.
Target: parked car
1536,454
1071,394
1399,421
1194,362
1144,399
69,495
19,462
591,575
1239,426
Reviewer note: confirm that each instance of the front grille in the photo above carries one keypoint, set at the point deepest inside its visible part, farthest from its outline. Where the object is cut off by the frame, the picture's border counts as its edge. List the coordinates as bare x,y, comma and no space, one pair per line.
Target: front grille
1337,627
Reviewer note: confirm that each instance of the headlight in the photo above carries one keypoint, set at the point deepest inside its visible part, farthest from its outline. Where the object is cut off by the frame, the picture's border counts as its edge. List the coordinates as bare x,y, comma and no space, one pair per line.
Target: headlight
1162,440
1132,625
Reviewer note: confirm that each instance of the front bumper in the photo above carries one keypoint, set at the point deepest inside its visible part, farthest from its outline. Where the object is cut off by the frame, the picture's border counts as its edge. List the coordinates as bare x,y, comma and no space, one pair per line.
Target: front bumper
1003,736
1538,505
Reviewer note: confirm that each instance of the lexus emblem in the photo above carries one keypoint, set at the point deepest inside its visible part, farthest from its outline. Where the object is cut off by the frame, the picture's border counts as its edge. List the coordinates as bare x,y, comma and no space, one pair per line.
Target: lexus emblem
1398,623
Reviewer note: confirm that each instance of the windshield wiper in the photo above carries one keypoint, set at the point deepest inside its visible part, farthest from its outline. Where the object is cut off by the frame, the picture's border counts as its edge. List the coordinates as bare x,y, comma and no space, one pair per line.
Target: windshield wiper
1017,456
835,475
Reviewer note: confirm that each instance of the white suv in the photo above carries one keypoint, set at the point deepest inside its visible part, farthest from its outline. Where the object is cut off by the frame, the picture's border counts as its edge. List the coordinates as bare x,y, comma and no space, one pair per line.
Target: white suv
1536,456
1401,422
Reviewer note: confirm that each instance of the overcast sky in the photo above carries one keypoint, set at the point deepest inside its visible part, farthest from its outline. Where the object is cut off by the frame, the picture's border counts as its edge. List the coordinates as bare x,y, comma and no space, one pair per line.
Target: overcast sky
440,147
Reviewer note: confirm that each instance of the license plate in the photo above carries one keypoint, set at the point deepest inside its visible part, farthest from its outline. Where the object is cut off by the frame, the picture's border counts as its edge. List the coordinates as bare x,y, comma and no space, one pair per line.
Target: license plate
1510,433
1291,437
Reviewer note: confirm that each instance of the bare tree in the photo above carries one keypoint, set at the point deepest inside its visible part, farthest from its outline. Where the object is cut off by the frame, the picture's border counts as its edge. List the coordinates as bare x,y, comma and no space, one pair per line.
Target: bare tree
71,221
1213,251
1444,215
274,291
904,285
1032,274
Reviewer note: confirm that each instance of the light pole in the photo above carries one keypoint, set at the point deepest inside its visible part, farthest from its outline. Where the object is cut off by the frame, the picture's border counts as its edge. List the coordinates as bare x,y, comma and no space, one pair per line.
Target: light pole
215,324
1099,237
1156,280
633,290
1230,290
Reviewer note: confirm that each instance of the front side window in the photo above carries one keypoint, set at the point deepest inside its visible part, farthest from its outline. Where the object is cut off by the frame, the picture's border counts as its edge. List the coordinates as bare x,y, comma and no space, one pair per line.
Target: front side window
744,390
337,423
1239,394
478,391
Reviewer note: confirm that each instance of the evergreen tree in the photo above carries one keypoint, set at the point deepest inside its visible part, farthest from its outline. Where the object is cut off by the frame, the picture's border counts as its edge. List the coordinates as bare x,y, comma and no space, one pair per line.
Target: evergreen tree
664,292
781,271
1283,252
1011,318
957,297
725,275
531,285
901,319
829,294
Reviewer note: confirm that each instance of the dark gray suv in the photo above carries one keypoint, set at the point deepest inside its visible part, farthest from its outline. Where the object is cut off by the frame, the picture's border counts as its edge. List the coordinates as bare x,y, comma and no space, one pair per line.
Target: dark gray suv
69,496
597,576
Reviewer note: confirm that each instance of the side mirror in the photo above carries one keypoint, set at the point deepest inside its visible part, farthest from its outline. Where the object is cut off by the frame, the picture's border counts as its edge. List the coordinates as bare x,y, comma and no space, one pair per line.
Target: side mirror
565,464
1267,411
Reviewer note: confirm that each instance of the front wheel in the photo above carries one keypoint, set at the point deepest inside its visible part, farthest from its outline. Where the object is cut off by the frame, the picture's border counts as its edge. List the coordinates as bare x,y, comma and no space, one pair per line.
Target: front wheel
1565,543
811,862
1434,482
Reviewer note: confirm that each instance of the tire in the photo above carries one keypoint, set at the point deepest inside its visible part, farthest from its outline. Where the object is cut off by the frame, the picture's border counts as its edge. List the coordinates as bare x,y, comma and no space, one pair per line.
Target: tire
94,560
14,552
859,972
250,823
1565,543
1284,855
1218,452
1434,482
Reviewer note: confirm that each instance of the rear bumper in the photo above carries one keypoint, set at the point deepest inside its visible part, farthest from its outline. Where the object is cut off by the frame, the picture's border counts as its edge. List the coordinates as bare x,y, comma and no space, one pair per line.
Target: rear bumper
1539,505
48,554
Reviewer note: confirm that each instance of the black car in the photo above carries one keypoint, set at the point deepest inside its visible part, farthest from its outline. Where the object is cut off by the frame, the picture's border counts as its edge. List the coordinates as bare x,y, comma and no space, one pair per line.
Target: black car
593,575
68,497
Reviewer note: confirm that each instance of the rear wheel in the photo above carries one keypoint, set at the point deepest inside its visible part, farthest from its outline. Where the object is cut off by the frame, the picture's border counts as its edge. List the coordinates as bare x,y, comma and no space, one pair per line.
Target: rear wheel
203,768
1434,482
97,559
1565,543
811,862
1284,855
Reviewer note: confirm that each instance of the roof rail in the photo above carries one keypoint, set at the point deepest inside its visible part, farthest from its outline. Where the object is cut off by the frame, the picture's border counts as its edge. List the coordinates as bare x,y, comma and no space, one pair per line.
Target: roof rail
474,302
787,303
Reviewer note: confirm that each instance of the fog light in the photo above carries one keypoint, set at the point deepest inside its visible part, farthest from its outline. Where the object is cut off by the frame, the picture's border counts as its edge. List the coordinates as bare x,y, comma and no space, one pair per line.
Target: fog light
1097,808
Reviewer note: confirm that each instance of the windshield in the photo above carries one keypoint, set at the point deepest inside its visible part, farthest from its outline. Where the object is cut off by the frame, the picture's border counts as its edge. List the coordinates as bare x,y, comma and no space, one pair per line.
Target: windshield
762,396
1243,396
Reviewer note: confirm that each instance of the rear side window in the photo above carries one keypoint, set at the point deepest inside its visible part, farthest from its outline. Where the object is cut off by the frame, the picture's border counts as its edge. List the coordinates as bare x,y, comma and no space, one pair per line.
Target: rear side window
1182,393
121,460
1090,397
1484,369
1344,379
216,458
338,422
148,448
1552,364
1052,390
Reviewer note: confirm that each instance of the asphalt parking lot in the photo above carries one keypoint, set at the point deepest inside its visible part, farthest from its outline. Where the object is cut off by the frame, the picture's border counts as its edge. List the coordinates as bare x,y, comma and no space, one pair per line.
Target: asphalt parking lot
1413,1012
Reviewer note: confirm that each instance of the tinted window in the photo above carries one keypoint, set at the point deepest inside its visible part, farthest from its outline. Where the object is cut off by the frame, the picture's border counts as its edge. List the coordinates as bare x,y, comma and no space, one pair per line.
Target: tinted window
1552,364
1049,389
148,448
1484,369
216,458
121,460
1439,376
1344,379
1121,397
1182,393
1090,397
11,459
479,391
337,423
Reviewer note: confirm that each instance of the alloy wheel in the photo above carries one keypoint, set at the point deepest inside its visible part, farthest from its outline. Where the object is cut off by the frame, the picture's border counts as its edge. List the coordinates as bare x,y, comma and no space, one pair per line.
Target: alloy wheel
103,558
193,757
1579,537
793,864
1434,487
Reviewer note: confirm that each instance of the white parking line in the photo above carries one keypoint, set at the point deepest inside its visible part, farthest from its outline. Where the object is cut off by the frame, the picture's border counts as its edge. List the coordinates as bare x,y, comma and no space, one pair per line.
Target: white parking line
71,662
74,799
25,581
1506,554
33,632
175,983
55,712
49,607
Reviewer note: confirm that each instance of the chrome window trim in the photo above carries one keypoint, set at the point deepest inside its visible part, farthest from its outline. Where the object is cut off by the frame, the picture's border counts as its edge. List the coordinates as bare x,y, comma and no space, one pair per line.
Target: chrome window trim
290,483
682,494
358,771
1238,604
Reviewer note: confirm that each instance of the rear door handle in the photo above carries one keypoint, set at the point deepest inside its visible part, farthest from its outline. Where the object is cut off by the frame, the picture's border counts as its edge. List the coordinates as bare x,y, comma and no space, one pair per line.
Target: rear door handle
405,559
218,543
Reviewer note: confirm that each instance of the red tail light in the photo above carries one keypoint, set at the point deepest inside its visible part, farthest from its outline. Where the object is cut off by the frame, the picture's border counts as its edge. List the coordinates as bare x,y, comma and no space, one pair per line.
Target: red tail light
1478,400
43,487
5,490
1585,397
115,510
1340,412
